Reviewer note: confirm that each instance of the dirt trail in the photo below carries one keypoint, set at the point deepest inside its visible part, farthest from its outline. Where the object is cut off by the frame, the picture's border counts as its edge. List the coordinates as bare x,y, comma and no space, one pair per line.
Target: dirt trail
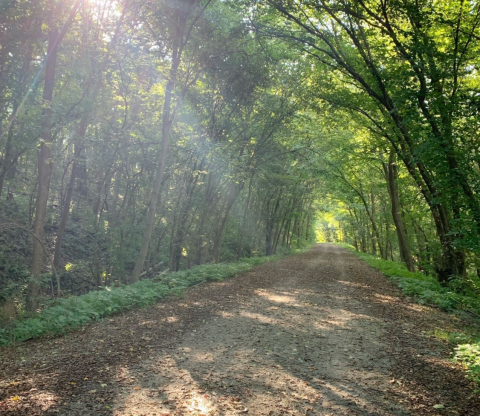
319,333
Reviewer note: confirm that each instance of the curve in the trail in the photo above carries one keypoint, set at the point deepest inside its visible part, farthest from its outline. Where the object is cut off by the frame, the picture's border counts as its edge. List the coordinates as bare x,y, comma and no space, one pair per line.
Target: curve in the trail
312,334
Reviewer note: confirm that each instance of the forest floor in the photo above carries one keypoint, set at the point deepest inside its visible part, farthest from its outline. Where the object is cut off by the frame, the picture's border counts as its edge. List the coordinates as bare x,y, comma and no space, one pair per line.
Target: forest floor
319,333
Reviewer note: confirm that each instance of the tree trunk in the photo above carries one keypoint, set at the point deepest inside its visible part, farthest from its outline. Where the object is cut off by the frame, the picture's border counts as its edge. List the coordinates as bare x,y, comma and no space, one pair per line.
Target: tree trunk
374,242
68,197
164,147
376,234
269,235
280,229
44,173
219,236
44,159
9,159
244,222
391,176
308,227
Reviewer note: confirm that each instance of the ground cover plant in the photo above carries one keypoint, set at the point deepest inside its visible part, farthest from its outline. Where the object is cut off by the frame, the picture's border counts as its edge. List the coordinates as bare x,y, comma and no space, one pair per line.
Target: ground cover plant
69,313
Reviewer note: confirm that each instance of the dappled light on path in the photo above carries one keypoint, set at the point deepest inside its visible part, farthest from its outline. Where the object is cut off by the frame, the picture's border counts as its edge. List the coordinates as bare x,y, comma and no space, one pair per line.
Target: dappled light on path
272,297
332,338
294,348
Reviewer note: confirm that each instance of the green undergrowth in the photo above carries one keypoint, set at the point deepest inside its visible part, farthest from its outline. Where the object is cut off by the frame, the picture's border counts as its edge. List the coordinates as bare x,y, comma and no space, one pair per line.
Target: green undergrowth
70,313
428,291
467,350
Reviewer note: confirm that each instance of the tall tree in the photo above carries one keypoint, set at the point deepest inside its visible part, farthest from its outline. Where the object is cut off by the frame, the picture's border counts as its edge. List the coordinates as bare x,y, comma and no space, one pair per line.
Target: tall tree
182,17
55,36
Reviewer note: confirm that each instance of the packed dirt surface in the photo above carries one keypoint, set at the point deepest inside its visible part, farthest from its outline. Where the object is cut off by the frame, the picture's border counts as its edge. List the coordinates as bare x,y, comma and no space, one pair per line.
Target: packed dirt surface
320,333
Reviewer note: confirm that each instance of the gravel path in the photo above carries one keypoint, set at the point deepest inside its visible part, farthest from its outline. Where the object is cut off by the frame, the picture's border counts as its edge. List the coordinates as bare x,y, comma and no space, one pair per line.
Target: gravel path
319,333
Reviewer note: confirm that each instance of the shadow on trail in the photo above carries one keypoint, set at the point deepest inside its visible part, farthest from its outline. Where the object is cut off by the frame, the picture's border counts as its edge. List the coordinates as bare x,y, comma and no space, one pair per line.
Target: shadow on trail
264,366
319,338
271,372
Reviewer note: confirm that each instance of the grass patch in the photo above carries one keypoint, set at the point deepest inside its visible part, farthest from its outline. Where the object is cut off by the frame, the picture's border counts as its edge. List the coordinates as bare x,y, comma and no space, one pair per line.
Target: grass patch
70,313
428,291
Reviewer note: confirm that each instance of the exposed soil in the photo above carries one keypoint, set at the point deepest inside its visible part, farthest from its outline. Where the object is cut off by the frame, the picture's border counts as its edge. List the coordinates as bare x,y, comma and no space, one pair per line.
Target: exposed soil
319,333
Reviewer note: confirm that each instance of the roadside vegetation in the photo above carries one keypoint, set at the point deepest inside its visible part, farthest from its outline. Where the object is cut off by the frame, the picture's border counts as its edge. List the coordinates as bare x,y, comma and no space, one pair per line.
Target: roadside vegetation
64,314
